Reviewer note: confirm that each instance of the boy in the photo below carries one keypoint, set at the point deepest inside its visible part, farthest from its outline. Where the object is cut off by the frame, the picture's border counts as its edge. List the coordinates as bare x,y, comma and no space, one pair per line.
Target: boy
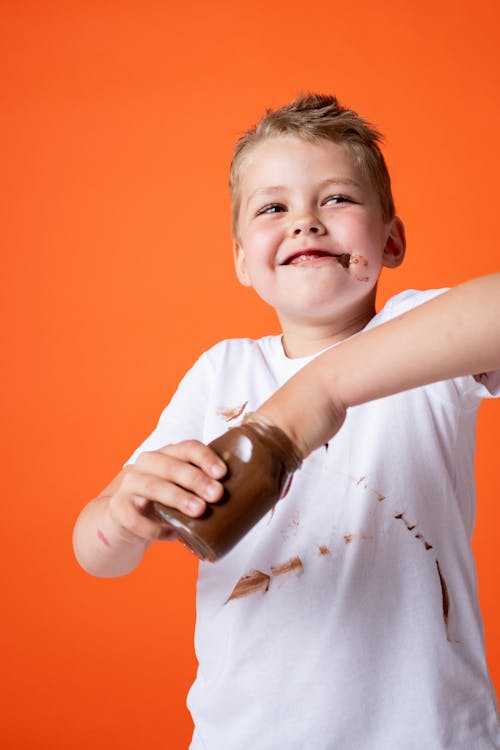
348,617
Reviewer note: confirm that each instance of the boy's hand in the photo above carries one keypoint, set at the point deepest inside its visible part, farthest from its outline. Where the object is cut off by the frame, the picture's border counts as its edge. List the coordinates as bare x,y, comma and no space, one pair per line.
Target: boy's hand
182,476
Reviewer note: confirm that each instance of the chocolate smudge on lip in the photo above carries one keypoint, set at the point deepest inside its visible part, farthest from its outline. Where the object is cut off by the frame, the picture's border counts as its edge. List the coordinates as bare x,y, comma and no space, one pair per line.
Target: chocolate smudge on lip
251,583
232,413
294,565
344,260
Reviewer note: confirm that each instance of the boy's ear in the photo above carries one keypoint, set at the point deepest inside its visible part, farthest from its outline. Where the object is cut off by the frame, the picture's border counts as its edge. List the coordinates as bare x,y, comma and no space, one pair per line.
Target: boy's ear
240,264
395,246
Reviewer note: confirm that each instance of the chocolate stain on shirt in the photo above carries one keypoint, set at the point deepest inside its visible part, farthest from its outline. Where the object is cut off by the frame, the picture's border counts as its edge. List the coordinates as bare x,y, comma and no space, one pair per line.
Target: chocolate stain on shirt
411,527
401,517
250,583
292,528
444,596
323,550
294,565
421,538
231,413
347,538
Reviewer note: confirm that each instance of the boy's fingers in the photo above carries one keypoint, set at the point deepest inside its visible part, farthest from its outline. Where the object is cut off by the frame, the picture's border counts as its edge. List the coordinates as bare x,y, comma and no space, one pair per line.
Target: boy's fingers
199,454
174,493
135,525
160,474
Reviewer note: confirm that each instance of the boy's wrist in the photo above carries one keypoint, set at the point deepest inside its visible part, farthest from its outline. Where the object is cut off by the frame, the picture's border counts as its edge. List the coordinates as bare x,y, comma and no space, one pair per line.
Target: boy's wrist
308,410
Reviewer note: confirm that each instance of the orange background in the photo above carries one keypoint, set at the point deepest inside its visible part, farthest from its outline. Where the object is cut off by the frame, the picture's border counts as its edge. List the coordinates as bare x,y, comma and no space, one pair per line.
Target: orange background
118,120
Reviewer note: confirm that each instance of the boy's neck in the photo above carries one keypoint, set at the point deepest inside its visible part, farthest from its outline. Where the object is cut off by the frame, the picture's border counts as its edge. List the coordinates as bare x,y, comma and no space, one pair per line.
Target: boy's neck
304,339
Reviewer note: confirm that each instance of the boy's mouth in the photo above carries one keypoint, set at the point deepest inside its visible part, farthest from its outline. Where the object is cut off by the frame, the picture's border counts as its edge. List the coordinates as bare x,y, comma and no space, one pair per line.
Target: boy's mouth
308,255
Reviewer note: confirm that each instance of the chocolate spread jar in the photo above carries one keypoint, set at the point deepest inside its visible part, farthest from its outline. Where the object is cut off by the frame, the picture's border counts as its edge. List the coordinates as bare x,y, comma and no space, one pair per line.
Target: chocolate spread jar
260,460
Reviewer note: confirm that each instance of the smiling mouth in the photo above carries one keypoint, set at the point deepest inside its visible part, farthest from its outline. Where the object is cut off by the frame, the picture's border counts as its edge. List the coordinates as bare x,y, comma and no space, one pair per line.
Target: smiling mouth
306,256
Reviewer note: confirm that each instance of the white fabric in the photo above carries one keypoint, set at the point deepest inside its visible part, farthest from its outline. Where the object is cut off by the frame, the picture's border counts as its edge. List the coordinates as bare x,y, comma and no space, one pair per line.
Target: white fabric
351,651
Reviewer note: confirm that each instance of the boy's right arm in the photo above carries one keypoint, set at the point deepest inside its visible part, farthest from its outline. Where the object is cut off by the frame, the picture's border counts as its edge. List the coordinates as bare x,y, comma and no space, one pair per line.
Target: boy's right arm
113,531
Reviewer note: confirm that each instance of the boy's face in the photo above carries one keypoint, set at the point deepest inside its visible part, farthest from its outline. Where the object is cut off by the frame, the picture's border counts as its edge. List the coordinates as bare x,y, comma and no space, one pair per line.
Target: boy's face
311,239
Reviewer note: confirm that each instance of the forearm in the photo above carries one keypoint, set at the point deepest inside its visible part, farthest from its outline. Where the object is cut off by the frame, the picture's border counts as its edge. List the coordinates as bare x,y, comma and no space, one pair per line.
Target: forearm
457,333
100,548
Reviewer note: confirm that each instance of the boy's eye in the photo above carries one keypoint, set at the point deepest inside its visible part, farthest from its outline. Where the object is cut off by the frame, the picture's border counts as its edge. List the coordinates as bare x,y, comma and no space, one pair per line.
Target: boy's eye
272,208
334,199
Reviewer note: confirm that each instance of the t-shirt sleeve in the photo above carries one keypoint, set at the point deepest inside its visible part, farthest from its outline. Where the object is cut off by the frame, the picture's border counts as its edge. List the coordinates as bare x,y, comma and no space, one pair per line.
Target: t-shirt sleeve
484,385
183,418
472,388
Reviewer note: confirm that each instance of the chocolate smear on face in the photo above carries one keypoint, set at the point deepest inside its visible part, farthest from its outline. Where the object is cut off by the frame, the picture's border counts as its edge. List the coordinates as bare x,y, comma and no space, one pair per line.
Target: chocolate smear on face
253,582
344,260
358,260
444,594
232,413
294,565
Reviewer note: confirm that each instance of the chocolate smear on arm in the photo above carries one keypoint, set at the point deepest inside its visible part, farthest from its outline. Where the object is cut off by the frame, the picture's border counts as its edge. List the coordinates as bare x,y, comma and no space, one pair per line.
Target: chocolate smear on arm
251,583
103,538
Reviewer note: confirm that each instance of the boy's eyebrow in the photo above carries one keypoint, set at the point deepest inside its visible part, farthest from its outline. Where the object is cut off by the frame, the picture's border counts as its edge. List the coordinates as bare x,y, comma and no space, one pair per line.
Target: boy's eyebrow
322,184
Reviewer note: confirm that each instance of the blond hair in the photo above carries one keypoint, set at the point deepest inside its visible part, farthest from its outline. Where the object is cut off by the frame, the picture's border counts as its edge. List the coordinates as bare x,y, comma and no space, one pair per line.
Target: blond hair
316,117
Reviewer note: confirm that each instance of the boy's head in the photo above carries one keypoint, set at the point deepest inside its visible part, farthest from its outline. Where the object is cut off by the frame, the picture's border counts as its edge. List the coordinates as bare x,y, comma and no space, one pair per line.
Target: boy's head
313,215
312,118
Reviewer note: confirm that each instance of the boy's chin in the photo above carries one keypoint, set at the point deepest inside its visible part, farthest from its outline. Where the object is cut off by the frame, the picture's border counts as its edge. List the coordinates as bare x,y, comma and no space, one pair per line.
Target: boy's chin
315,309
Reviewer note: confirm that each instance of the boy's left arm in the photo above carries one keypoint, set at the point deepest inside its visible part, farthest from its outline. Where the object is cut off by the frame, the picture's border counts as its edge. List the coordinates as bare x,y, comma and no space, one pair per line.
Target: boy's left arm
454,334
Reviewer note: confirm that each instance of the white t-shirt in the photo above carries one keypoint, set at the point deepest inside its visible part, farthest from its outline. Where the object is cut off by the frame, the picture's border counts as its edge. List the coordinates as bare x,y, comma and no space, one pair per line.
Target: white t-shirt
361,628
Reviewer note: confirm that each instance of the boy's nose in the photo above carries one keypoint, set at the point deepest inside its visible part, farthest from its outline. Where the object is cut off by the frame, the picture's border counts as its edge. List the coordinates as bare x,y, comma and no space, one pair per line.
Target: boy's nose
308,225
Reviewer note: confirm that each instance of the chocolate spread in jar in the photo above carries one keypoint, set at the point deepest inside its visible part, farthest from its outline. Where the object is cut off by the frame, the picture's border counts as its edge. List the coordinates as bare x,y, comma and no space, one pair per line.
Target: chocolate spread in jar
260,460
